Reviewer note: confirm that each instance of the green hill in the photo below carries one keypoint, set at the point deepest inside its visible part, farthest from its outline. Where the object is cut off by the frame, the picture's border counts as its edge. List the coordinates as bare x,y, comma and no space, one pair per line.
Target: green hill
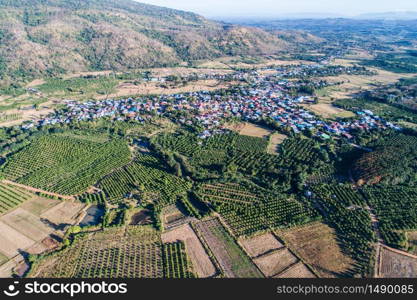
50,37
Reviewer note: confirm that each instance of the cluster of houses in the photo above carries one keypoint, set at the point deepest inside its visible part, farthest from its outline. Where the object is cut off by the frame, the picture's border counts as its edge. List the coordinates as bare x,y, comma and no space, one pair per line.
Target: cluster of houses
320,69
263,99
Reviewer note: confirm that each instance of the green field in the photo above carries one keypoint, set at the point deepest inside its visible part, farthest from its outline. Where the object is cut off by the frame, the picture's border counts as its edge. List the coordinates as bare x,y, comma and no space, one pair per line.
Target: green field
65,165
11,197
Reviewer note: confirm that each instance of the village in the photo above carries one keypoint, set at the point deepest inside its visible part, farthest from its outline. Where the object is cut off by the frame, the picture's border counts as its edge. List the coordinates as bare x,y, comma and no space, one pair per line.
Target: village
259,97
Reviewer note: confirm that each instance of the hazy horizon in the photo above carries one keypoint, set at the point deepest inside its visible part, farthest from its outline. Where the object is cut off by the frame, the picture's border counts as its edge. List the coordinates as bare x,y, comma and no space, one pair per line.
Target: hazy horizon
277,8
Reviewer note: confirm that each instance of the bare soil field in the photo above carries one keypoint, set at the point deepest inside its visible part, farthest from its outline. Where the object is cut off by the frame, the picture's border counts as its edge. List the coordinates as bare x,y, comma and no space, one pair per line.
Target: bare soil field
276,139
28,229
237,62
329,111
26,115
202,265
172,217
35,82
155,88
249,129
37,248
11,241
38,206
299,270
274,263
6,270
317,245
27,224
261,244
396,264
231,258
356,83
66,212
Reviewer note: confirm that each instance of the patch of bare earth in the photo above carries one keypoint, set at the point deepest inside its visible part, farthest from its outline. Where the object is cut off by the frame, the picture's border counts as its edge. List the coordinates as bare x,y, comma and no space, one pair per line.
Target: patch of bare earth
396,264
249,129
156,88
26,114
261,244
299,270
327,110
29,229
317,245
35,82
172,217
275,140
67,212
202,265
274,263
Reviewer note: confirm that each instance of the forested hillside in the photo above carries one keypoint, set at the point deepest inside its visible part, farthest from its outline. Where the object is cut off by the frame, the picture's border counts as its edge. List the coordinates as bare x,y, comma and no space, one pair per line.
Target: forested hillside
49,37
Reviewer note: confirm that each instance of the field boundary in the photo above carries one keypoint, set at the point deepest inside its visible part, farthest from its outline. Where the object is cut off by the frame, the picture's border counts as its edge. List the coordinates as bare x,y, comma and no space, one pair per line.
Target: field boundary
32,189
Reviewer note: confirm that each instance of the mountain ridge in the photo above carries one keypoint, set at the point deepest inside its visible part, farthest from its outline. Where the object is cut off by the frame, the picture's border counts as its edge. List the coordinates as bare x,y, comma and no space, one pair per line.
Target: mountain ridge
50,37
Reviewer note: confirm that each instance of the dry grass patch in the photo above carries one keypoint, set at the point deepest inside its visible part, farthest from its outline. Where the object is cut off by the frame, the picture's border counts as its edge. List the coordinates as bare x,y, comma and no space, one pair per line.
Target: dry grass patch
26,114
38,206
275,140
156,88
65,213
261,244
3,259
329,111
274,263
317,245
172,217
299,270
397,264
249,129
11,241
230,257
202,265
27,224
35,83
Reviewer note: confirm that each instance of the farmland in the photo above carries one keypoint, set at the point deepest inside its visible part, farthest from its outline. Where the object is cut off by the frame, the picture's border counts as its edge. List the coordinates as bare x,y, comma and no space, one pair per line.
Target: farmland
287,165
396,207
273,258
11,197
394,264
146,175
231,258
249,209
175,261
352,225
203,267
317,245
111,254
65,165
34,227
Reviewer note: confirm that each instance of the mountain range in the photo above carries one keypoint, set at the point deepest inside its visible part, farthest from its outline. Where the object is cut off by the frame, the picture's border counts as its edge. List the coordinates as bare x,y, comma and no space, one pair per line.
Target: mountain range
49,37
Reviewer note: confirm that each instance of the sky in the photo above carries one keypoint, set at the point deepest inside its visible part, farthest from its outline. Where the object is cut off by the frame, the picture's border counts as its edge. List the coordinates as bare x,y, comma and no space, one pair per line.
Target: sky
274,8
